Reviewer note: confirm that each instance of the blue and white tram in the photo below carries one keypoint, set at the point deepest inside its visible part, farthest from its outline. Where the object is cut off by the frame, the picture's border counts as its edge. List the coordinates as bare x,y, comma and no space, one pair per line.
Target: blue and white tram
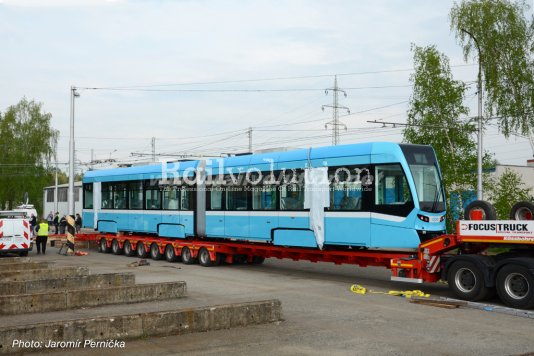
374,195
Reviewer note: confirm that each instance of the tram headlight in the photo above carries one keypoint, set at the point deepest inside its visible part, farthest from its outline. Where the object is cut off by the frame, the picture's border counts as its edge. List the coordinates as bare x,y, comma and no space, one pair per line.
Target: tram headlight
423,218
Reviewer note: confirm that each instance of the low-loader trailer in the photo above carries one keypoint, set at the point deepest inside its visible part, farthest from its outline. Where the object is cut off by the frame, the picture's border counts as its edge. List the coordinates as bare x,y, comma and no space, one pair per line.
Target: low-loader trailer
481,258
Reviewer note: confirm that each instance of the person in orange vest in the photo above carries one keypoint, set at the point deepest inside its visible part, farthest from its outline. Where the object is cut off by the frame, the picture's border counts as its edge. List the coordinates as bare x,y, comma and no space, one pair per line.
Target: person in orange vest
42,236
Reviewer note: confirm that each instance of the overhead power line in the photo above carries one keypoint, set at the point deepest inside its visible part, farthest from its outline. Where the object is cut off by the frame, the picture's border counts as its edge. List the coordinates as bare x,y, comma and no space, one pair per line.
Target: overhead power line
264,79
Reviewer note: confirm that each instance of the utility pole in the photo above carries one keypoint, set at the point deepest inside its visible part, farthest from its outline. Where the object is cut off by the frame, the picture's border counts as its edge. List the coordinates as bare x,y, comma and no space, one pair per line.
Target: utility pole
73,96
55,181
153,149
91,165
480,194
249,133
335,117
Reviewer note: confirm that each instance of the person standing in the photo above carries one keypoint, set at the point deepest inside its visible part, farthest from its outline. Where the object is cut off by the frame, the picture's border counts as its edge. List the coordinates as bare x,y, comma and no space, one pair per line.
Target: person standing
50,218
33,222
62,224
42,236
56,222
78,223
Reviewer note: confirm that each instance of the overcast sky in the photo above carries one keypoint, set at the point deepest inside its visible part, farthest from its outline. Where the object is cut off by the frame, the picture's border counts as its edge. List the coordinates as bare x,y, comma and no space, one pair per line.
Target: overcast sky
213,51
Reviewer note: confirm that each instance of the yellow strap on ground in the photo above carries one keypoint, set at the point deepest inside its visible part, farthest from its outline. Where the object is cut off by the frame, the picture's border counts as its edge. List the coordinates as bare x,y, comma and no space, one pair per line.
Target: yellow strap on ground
358,289
409,293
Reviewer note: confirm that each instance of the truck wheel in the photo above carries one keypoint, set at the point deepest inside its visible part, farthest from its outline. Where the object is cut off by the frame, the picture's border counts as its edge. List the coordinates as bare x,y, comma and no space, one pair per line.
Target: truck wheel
187,256
115,247
467,281
523,210
480,206
154,252
170,255
515,286
128,250
141,250
104,246
204,258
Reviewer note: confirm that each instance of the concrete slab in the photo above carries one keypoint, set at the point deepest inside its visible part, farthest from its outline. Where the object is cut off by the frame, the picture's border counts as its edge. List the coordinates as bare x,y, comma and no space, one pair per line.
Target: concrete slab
30,274
20,266
81,333
79,298
77,282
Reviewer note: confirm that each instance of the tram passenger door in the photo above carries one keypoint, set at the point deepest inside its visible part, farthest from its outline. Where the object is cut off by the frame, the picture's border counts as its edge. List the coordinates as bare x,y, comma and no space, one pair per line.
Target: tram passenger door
391,226
215,213
348,218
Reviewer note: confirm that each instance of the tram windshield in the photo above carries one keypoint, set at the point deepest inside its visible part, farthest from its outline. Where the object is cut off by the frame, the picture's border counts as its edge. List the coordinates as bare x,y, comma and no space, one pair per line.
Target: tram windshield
425,173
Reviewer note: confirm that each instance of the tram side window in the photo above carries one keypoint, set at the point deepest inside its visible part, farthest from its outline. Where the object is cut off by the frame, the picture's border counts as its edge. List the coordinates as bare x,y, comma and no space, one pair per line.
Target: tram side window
264,198
236,198
152,199
391,185
292,197
346,188
88,196
216,198
135,195
107,196
171,198
185,199
120,196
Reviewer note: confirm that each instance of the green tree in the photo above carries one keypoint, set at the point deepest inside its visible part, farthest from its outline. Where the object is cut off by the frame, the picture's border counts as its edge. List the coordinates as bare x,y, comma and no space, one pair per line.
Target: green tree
434,118
27,143
507,190
505,39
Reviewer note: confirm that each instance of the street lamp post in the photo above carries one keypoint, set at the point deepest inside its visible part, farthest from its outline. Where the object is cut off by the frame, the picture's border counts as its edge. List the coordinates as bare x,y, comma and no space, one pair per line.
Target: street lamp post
480,195
73,95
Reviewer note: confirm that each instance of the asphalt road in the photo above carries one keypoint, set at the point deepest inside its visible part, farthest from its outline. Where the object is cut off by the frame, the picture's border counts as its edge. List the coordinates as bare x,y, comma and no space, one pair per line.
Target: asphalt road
322,316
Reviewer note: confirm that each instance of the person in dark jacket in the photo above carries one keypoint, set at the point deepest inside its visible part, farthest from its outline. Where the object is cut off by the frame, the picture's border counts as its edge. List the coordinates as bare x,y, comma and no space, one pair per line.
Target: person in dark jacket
78,223
33,223
62,224
56,222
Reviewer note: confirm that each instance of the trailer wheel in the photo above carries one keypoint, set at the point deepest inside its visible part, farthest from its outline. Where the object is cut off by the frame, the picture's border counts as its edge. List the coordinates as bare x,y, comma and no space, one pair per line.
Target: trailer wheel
258,260
104,246
141,250
115,247
204,258
523,210
480,206
170,255
515,286
23,253
467,281
128,250
187,256
240,259
154,252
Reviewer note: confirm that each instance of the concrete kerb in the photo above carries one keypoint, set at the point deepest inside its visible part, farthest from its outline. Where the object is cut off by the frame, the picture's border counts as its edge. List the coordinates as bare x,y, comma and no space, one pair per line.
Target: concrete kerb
6,260
49,273
71,299
124,327
76,282
497,309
